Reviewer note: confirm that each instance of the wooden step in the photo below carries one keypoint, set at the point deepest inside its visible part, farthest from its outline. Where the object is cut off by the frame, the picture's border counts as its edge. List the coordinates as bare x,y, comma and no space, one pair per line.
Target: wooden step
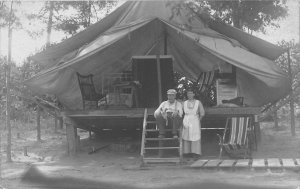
152,130
161,139
151,122
161,148
156,130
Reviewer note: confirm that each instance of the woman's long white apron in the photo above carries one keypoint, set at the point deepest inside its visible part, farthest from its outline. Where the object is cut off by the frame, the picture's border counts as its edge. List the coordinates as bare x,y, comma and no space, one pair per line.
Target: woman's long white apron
191,133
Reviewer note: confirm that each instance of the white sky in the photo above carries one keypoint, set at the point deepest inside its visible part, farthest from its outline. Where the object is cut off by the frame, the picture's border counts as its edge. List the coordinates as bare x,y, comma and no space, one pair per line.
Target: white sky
23,45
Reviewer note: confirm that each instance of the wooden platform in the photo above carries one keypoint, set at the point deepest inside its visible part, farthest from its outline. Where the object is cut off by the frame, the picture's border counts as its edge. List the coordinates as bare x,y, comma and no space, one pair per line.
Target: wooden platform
139,112
271,163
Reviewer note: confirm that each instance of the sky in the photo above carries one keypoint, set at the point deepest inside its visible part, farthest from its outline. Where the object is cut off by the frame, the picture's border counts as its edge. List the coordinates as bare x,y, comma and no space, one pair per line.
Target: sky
23,45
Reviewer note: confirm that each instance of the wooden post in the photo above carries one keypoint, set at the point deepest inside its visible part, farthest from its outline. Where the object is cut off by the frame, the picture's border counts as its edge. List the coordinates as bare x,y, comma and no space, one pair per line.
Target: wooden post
159,78
275,120
55,122
25,150
38,123
72,139
165,43
61,123
257,131
292,108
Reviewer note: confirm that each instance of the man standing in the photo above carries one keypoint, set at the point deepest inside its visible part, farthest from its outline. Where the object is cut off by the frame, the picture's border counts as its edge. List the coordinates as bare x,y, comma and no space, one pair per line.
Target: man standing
169,113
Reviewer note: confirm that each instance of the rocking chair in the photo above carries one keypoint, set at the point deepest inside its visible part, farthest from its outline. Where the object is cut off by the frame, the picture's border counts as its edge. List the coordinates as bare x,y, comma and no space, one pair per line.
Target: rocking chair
88,92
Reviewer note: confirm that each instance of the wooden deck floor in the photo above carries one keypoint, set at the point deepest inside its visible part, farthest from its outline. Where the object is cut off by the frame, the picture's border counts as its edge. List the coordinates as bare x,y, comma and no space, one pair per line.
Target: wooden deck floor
139,112
270,163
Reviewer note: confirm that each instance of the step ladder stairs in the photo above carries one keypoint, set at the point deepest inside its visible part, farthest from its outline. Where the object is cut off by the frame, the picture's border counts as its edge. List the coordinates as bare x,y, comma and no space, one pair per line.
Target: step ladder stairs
159,150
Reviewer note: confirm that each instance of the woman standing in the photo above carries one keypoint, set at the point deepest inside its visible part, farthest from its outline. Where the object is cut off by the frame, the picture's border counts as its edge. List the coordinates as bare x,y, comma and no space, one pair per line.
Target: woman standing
191,133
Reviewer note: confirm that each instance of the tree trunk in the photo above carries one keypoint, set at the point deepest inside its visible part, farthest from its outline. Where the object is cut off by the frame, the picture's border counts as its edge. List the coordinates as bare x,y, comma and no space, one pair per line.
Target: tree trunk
236,14
275,120
61,124
55,123
0,43
292,109
38,123
8,126
50,22
89,13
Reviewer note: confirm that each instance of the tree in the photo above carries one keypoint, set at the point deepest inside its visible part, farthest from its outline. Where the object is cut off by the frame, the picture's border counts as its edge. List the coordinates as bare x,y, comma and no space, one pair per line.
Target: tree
244,14
8,19
85,14
49,13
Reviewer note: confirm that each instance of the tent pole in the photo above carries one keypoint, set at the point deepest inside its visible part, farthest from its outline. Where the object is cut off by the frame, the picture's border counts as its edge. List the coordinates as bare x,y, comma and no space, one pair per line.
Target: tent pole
292,109
158,77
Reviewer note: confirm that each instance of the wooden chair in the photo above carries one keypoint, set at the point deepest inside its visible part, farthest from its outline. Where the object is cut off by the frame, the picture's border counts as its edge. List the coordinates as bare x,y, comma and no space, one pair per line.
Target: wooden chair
88,92
205,80
204,84
237,137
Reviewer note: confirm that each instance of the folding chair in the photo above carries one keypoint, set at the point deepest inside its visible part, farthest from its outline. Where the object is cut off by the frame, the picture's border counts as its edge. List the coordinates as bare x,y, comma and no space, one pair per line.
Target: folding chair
88,92
236,137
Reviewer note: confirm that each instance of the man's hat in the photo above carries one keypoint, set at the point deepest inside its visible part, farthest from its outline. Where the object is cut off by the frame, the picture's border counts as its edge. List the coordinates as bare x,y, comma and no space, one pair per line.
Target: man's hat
171,91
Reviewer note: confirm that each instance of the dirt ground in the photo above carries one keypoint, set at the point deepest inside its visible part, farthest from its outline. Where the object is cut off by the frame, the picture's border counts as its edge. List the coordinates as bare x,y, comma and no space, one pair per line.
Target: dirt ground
48,166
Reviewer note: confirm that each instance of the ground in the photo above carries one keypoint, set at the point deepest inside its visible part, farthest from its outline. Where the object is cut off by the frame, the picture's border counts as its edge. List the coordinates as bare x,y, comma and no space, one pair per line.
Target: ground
48,165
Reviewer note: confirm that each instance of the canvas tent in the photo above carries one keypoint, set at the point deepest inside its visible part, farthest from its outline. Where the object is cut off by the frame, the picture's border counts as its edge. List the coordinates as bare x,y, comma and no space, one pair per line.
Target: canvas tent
149,27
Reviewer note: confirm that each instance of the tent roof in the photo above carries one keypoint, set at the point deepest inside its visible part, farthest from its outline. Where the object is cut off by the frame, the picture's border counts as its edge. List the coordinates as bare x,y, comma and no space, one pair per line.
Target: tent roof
132,11
142,29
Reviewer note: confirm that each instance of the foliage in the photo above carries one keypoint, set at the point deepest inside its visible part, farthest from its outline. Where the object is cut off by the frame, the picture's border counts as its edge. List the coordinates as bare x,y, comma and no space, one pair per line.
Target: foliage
5,16
85,14
71,16
182,83
244,14
282,61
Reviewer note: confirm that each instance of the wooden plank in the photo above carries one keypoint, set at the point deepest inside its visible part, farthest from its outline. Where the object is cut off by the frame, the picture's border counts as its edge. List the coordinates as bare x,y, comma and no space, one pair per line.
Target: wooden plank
232,111
152,122
288,163
212,163
132,112
227,163
157,139
198,163
258,163
273,163
155,130
242,163
161,160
